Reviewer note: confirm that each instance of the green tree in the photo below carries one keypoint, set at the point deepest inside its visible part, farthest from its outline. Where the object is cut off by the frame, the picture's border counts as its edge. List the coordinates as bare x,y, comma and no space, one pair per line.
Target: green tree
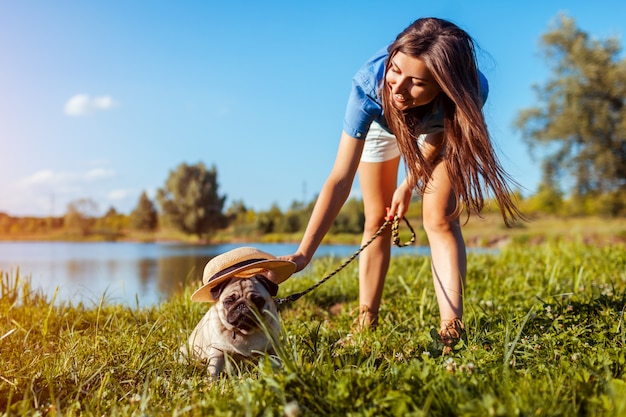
350,219
291,222
581,116
547,200
81,216
144,217
190,200
269,221
237,211
111,224
241,219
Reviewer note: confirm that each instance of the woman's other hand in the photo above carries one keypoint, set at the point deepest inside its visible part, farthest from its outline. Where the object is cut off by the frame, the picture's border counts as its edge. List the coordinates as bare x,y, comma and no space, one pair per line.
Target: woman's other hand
400,201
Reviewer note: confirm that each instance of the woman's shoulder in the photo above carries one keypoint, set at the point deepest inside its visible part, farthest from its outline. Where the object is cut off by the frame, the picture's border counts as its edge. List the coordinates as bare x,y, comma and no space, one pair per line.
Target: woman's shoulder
372,71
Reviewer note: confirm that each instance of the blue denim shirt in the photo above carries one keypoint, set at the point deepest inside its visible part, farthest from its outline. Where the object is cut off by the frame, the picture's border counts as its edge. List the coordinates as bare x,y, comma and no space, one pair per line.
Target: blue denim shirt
364,104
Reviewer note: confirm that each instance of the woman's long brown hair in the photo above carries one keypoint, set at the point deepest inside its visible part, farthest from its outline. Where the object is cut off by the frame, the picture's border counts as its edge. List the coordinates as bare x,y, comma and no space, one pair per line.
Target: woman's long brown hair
471,162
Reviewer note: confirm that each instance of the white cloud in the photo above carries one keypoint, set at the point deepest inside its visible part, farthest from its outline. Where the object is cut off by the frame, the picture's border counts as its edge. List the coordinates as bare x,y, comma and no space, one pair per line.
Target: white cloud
99,173
44,180
45,176
121,194
64,180
83,104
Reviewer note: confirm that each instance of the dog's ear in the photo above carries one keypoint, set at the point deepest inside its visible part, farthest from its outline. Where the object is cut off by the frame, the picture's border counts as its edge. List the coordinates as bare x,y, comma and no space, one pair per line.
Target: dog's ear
271,287
217,290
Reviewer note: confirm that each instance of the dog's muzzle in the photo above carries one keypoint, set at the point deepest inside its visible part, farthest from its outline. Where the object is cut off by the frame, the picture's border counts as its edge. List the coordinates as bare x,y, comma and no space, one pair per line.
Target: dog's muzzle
241,314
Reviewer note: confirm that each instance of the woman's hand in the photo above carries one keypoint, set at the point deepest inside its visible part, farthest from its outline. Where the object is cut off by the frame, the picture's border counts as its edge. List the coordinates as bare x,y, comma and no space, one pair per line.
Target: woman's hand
400,201
300,260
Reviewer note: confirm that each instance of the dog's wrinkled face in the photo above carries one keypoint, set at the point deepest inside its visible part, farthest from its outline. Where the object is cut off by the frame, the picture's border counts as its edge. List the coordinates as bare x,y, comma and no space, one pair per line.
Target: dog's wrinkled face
239,298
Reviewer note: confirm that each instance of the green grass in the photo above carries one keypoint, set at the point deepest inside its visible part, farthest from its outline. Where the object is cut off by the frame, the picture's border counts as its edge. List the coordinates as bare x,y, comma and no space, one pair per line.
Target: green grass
545,327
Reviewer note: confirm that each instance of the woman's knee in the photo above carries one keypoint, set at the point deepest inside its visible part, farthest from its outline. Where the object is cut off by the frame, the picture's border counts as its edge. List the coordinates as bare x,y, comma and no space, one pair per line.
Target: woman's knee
373,222
438,222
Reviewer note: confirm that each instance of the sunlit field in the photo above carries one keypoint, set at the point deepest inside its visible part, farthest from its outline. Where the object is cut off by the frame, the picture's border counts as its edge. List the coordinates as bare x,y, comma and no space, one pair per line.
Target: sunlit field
545,337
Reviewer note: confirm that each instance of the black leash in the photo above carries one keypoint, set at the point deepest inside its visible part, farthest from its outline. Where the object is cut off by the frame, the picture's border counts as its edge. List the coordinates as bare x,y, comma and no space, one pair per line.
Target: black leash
395,239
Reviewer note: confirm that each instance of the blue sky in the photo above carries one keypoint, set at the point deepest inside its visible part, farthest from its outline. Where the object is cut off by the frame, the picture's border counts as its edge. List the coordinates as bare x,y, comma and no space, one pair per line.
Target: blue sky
101,99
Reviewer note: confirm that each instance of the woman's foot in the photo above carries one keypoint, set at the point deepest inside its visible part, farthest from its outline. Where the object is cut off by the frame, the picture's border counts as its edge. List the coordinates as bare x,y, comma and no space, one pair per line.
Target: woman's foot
367,320
451,331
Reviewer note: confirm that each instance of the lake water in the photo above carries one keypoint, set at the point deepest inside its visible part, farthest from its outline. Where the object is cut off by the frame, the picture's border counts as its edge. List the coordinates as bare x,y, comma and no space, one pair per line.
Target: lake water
134,274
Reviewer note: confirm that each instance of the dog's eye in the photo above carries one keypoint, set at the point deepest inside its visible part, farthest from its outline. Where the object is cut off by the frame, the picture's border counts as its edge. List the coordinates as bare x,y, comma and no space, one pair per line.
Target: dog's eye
229,301
258,301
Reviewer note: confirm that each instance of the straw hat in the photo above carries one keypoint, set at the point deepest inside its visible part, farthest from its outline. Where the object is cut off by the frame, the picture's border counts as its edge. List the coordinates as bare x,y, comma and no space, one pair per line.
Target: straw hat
242,262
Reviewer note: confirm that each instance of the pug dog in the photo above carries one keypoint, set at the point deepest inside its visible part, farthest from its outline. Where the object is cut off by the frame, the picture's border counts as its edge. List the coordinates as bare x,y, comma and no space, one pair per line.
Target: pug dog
243,320
232,326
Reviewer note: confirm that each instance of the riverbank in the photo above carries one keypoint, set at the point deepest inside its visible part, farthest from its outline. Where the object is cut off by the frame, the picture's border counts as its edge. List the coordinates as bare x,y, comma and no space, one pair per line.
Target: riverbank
486,232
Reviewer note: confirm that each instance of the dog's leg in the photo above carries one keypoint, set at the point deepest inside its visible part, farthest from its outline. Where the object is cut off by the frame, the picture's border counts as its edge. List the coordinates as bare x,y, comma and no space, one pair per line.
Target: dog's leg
182,354
215,364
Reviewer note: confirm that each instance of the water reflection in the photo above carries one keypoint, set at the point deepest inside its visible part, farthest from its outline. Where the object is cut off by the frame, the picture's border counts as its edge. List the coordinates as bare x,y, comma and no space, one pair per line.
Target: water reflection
136,274
177,272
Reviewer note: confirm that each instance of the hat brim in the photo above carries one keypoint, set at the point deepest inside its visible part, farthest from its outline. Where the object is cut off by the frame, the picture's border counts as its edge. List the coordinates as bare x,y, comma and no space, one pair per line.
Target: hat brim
282,270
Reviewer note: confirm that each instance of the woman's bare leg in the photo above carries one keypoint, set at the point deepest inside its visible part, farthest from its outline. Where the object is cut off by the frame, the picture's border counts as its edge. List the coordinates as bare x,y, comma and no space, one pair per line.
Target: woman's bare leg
378,182
446,244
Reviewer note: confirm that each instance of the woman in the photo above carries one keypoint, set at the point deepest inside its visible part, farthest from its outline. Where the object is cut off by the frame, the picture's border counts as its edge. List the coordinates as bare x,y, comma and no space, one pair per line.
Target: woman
420,98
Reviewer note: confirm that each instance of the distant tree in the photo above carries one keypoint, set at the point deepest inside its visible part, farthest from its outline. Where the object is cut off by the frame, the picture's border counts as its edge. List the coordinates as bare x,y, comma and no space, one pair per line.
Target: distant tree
297,206
81,216
111,224
241,220
581,116
269,221
190,200
291,221
547,200
350,219
237,211
304,211
6,222
144,217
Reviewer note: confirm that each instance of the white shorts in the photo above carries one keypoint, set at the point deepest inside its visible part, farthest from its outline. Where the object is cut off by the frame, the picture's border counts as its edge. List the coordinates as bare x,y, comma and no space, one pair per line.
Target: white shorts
380,145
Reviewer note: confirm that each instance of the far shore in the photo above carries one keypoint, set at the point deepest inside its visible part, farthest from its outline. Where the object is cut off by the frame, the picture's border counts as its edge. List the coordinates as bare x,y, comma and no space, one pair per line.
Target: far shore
487,232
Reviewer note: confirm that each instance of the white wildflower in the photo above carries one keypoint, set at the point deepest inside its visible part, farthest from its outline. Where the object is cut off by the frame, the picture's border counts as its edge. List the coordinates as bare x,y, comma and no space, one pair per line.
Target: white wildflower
450,365
292,409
